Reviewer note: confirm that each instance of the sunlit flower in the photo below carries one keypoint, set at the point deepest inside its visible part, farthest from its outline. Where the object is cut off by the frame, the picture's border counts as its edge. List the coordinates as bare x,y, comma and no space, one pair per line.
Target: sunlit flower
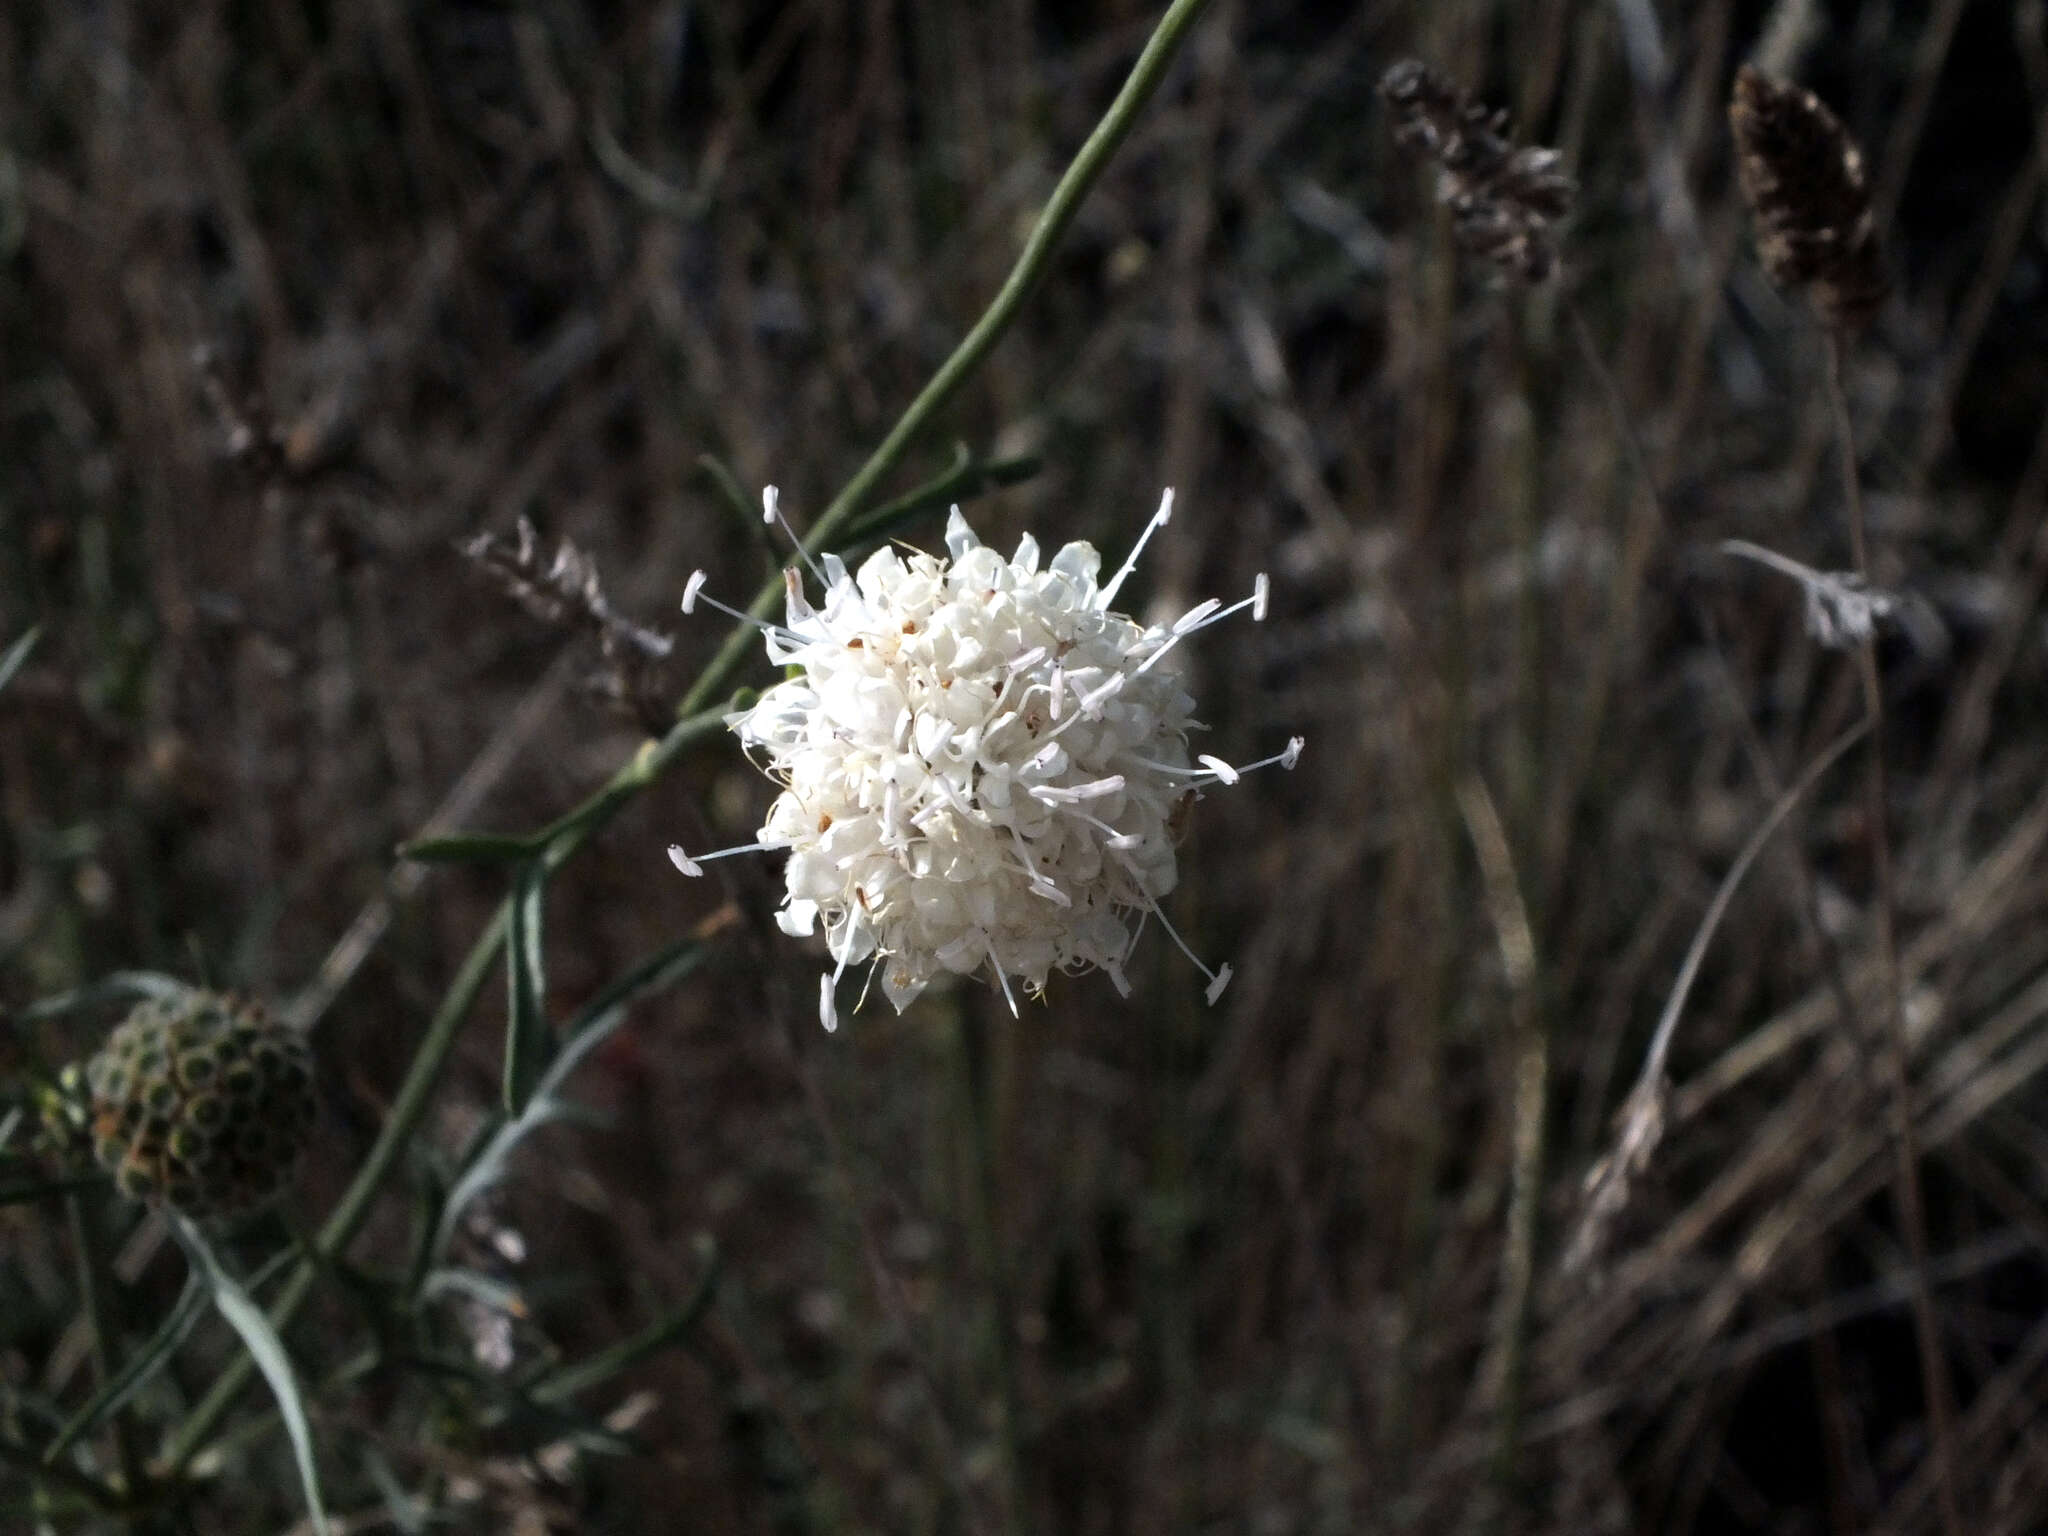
982,764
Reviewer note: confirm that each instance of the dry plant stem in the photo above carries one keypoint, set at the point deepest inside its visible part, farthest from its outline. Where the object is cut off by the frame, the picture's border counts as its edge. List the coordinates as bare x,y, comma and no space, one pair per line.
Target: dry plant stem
1644,1113
1928,59
1912,1214
1507,1369
976,1073
887,1290
1637,546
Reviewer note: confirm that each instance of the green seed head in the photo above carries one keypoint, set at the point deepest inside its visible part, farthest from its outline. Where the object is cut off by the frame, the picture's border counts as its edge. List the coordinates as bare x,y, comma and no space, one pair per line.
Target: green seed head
202,1104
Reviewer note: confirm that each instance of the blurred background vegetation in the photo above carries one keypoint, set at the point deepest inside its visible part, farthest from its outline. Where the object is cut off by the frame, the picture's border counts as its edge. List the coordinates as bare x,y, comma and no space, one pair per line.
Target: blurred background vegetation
296,296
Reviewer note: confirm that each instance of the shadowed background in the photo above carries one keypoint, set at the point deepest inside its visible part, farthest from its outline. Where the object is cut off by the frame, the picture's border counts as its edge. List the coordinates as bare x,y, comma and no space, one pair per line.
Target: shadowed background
296,298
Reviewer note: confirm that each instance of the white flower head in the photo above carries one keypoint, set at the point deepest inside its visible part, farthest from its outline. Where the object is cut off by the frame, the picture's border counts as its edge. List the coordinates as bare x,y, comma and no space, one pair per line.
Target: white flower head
982,764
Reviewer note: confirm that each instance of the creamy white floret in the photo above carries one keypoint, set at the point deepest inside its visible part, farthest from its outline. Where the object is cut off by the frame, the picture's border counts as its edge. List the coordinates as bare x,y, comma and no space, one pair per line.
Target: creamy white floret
981,763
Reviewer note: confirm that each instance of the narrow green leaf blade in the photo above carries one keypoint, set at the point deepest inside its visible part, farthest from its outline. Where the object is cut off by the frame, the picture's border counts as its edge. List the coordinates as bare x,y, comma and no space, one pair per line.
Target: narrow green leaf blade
117,987
586,1032
28,1191
136,1372
528,1044
965,480
565,1382
267,1350
17,654
468,848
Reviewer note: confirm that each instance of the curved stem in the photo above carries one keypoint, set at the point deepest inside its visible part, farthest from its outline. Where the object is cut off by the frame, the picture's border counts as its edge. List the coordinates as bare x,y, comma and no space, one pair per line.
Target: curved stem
976,345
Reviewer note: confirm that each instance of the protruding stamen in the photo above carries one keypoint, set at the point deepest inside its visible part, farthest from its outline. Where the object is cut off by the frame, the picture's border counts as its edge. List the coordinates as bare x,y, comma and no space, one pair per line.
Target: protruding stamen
1003,976
1159,520
1220,768
695,867
1164,646
1091,702
1218,983
771,514
1123,842
827,1014
1064,794
694,593
1286,759
1213,612
1218,979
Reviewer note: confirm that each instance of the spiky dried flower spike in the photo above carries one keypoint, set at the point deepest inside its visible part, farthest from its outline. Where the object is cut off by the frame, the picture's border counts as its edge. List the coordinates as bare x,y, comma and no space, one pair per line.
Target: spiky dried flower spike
982,764
1805,181
201,1103
1503,199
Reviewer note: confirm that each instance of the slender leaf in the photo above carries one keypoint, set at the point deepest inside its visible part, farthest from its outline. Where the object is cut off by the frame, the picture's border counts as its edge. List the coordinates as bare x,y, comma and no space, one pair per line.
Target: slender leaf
405,1511
267,1350
119,987
484,1289
469,848
116,1392
964,480
590,1028
527,1041
628,1352
739,503
16,654
27,1191
657,973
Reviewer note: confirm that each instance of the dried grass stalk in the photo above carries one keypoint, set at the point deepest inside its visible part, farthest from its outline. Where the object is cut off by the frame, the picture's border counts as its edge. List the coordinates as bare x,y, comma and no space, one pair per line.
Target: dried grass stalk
1804,179
1503,199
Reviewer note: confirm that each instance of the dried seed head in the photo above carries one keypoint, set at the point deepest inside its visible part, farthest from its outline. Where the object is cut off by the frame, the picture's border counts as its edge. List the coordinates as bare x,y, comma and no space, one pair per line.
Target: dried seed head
1804,179
1503,200
201,1104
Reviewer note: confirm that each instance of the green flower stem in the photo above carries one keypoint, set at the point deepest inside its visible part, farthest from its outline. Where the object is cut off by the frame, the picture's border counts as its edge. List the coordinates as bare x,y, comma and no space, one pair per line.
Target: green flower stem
572,831
1029,270
410,1105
